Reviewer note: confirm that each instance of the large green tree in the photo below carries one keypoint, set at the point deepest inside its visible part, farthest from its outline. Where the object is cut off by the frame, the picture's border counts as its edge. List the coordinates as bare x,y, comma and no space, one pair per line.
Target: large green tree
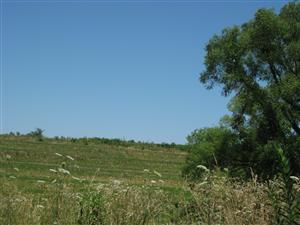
258,64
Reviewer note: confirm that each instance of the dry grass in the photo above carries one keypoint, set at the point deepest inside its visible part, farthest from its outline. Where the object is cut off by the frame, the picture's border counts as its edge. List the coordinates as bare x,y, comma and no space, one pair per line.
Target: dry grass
215,200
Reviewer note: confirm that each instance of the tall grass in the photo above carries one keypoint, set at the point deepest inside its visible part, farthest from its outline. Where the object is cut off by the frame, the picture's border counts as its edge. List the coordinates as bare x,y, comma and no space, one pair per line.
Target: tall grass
217,199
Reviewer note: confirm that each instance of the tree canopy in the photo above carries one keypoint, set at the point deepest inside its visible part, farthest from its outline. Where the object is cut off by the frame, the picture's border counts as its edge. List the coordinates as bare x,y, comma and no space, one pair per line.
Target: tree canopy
258,64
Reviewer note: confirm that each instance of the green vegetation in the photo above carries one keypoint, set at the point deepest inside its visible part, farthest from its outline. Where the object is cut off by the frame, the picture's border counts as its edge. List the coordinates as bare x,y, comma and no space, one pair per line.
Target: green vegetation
245,171
34,158
70,182
38,133
258,65
43,181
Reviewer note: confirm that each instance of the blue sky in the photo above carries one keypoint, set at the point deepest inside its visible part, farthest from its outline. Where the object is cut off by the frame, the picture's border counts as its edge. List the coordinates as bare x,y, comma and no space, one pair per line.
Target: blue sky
118,70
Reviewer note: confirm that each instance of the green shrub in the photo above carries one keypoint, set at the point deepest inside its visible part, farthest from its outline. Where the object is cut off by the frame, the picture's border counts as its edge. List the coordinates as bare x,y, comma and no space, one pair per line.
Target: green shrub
285,193
92,209
37,133
209,147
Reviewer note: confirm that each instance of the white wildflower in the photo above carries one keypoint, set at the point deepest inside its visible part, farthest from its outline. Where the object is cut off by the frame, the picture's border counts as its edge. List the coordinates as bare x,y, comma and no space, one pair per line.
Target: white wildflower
203,183
100,187
153,181
76,178
64,171
8,156
146,170
69,157
40,206
116,182
41,181
60,155
294,178
16,169
53,170
157,173
203,168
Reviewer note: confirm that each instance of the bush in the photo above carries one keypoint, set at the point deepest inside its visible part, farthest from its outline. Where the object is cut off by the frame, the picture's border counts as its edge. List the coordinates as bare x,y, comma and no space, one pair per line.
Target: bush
241,152
208,147
38,133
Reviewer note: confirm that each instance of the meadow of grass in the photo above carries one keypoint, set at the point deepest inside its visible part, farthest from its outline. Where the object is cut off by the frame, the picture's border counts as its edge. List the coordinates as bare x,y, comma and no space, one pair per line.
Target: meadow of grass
31,160
66,182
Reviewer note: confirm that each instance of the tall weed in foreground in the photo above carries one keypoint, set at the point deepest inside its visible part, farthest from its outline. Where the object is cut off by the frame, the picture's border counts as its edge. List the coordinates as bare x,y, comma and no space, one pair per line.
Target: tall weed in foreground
219,199
285,193
92,209
135,205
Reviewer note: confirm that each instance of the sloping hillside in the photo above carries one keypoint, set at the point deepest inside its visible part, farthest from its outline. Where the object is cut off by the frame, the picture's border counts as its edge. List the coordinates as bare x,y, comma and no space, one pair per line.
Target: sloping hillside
25,160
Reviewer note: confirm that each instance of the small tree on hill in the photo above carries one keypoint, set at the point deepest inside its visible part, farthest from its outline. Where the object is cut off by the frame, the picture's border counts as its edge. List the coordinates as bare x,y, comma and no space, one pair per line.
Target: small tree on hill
38,133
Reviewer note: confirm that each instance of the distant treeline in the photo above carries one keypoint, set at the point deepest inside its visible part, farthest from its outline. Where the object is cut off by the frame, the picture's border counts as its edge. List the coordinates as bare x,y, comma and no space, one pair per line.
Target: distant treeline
37,134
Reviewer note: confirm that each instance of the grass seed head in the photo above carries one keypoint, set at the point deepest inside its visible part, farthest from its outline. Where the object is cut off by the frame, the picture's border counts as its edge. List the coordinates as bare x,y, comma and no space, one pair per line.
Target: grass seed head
69,157
203,168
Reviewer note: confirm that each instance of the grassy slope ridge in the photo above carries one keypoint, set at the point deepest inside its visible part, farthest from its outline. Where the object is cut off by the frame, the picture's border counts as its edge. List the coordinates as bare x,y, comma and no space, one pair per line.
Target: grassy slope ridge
29,160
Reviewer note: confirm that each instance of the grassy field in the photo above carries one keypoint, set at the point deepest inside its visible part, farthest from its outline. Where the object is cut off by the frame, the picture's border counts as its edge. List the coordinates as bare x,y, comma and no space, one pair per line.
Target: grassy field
66,182
34,169
24,161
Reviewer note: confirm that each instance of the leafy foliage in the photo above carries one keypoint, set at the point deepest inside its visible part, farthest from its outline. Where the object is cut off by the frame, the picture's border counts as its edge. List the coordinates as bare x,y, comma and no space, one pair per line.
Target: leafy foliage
258,64
285,193
205,145
38,133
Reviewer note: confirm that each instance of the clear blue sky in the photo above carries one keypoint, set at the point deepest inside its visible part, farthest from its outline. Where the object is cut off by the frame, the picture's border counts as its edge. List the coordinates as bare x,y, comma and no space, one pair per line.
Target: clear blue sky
118,70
